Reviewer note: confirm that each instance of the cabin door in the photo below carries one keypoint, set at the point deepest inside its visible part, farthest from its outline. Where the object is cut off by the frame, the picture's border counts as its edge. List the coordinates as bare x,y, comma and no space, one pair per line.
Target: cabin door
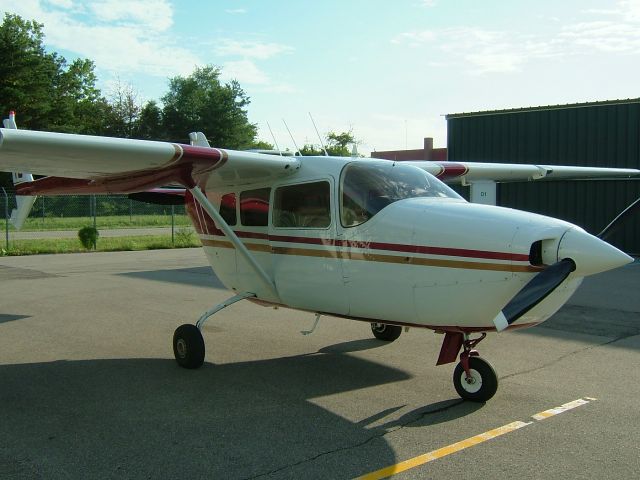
307,267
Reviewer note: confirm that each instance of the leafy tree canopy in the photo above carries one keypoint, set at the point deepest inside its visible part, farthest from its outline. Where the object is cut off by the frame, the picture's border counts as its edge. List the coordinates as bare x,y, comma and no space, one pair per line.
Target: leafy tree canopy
337,145
47,93
200,102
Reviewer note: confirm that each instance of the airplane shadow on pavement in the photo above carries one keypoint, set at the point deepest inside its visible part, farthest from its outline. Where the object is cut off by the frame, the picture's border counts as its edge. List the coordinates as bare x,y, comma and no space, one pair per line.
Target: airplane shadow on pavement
195,276
354,346
7,317
149,418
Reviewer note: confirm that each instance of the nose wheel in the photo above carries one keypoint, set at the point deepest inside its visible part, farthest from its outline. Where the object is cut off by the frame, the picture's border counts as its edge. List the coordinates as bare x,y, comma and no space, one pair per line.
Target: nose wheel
473,378
479,384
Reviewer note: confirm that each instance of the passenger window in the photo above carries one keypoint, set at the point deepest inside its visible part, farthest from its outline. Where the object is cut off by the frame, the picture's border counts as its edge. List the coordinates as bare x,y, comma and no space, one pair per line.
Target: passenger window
303,206
228,208
254,207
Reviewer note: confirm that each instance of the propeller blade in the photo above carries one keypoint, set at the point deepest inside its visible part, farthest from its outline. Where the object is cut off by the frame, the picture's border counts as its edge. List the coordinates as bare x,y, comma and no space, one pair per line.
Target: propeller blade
619,220
534,292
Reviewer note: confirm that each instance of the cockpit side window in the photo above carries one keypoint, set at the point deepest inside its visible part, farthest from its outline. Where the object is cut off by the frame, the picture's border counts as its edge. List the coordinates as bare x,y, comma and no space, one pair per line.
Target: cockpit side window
228,208
306,205
367,187
254,207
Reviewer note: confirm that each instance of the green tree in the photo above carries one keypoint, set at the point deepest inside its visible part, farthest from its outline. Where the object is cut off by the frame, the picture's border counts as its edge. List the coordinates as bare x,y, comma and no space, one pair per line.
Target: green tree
337,145
27,72
200,102
79,104
149,126
46,92
125,111
261,145
311,150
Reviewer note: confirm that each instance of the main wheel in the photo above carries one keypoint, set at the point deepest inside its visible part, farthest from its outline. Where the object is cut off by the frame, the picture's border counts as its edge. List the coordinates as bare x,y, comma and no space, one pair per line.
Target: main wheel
483,383
385,332
188,346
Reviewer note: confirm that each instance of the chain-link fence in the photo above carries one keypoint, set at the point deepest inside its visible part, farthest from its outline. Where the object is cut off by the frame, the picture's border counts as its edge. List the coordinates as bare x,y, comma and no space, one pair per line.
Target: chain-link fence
61,216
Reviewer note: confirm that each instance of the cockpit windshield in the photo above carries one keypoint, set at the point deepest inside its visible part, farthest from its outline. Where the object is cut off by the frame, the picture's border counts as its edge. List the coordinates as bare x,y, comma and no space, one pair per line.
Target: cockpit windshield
366,187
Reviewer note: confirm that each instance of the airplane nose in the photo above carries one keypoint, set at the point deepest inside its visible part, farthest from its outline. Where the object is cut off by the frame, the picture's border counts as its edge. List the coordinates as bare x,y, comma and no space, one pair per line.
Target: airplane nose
590,254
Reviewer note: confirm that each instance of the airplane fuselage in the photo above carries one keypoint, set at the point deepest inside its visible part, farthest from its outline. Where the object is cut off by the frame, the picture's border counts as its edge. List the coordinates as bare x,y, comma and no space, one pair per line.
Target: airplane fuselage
340,245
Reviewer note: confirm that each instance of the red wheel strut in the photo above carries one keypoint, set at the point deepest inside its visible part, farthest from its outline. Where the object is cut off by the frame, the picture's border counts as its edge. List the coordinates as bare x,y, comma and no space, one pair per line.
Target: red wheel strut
468,345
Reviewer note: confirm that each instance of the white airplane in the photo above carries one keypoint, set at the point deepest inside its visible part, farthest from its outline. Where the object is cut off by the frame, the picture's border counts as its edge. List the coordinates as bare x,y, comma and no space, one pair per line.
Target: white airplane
383,242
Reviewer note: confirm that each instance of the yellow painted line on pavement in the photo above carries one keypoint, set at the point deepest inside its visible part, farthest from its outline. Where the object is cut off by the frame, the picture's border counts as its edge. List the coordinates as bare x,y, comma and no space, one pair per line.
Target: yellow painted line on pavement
469,442
562,408
443,452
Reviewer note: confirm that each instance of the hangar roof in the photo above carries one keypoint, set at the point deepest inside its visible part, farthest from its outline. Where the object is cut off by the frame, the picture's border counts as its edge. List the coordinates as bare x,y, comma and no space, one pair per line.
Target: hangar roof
542,108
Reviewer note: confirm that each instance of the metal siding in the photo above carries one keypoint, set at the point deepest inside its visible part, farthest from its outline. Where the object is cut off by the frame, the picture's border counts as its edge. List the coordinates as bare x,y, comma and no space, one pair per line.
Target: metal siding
605,135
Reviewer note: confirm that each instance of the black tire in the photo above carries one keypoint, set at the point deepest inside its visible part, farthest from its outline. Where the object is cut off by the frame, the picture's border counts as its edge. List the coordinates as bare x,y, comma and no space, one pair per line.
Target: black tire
485,384
387,333
188,346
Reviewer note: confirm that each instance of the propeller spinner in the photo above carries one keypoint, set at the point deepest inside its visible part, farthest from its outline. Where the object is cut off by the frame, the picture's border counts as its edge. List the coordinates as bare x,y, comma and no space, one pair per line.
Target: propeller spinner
579,252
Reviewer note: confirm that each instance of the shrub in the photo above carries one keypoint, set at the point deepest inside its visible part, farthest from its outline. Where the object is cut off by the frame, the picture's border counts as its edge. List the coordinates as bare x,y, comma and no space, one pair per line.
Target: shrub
184,236
88,237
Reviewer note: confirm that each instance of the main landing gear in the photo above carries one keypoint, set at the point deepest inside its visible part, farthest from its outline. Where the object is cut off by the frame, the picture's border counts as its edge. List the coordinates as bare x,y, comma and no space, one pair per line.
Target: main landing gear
385,332
474,378
188,346
188,343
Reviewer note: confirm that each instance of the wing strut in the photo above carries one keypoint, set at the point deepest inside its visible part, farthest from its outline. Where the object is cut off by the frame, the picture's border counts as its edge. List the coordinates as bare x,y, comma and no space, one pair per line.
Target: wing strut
237,243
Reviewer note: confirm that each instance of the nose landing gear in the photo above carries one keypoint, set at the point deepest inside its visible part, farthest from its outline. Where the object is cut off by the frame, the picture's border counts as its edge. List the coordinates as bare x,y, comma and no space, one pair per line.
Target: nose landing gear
474,378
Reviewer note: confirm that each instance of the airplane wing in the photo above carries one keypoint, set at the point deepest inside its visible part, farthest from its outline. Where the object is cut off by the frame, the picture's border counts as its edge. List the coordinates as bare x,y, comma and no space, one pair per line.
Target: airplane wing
91,164
469,172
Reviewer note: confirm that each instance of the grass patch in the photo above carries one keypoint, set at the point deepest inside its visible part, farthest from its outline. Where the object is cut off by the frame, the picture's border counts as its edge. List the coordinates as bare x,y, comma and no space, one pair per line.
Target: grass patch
104,244
106,222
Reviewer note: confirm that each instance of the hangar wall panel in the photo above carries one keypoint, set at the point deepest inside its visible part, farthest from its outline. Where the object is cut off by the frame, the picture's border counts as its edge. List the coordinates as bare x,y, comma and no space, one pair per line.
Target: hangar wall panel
602,134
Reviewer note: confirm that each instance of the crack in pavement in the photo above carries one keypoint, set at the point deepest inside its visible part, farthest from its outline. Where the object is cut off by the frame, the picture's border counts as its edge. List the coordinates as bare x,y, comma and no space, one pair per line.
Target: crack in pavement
562,357
382,432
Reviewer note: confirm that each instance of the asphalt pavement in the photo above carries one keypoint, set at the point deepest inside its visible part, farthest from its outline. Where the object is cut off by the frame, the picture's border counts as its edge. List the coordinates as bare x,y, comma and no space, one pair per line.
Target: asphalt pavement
89,387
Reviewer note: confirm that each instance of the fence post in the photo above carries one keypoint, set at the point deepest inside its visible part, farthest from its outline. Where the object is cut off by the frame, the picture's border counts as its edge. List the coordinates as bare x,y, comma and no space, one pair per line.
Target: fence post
43,210
173,223
6,218
95,214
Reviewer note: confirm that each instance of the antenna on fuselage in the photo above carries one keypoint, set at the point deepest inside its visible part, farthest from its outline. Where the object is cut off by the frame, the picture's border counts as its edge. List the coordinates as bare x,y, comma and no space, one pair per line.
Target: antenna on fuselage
275,142
292,139
319,137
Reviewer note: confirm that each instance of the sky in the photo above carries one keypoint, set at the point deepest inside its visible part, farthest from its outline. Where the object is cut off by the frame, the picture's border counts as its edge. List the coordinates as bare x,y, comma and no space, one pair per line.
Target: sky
389,71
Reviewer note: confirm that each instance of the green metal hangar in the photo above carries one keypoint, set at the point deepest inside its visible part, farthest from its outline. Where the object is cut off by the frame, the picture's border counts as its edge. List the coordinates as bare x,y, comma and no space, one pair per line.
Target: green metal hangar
599,134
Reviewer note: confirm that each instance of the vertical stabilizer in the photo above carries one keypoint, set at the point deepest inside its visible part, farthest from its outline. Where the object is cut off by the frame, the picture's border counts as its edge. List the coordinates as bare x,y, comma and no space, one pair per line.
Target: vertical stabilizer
198,139
11,121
